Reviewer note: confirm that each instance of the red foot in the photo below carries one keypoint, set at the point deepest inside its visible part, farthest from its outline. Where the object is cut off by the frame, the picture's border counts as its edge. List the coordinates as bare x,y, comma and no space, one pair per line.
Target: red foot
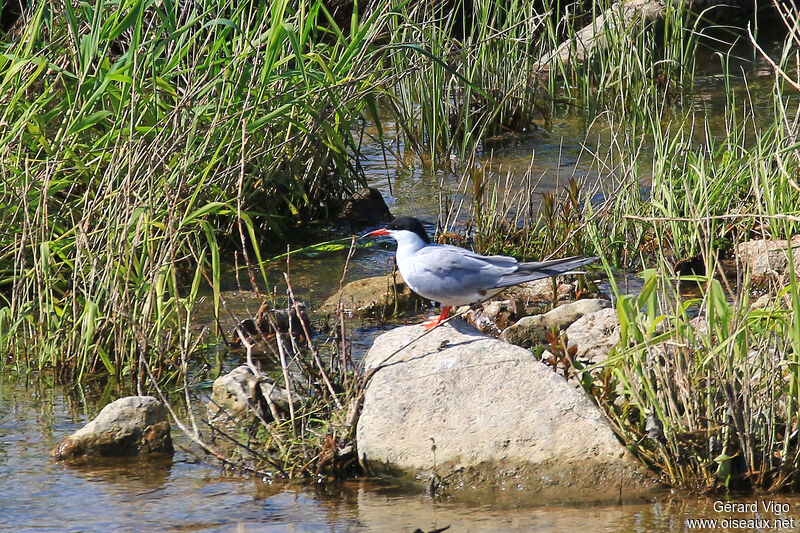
435,321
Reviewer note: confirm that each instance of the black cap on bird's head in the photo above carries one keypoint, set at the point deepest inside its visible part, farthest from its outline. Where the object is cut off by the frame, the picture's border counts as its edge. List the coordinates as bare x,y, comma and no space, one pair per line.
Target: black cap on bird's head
403,224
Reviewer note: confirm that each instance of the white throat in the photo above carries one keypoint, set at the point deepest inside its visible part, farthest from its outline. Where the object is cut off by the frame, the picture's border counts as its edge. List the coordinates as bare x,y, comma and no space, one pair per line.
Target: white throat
408,243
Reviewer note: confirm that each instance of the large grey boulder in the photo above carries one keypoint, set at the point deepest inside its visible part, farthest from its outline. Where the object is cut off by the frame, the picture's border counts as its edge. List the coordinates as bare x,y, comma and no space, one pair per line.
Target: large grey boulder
532,330
129,426
487,414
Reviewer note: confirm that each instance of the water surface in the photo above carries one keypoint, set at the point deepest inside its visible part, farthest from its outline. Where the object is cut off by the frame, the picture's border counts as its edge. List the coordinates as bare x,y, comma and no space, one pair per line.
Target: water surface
181,494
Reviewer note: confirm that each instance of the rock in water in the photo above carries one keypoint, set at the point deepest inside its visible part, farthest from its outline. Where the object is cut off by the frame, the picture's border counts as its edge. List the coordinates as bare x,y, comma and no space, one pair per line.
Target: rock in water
259,334
379,296
457,403
768,259
239,397
532,330
128,426
367,206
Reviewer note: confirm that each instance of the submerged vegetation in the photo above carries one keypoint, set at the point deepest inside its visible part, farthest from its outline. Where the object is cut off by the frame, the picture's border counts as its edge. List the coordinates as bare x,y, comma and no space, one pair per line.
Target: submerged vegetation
142,142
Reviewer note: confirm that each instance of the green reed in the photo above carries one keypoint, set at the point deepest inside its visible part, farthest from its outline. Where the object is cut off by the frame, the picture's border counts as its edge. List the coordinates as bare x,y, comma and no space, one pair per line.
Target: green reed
140,140
708,405
639,63
470,77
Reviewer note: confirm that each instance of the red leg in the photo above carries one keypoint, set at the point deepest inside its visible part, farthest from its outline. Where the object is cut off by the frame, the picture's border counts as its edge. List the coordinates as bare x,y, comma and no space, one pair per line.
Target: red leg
433,322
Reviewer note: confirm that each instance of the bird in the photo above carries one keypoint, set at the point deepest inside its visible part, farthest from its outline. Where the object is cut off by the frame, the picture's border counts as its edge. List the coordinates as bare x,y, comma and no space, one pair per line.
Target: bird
455,276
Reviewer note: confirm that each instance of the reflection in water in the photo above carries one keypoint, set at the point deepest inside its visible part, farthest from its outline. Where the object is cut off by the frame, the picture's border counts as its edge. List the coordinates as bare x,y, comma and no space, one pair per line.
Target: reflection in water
181,495
130,474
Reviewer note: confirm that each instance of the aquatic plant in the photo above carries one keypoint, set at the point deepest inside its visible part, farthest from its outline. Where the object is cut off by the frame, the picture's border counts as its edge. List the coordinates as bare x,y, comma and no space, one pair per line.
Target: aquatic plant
704,388
633,60
470,77
140,141
708,402
312,433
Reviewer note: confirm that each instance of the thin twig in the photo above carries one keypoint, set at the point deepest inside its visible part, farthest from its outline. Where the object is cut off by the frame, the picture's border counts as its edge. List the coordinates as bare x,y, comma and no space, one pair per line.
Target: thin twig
285,371
311,347
259,378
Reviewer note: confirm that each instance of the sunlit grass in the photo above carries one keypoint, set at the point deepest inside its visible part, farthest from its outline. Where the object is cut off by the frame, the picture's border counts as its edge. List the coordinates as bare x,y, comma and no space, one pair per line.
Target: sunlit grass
141,141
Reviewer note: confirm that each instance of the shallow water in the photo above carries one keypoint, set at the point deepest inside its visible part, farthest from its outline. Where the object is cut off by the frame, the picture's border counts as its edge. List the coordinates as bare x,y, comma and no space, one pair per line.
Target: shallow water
183,495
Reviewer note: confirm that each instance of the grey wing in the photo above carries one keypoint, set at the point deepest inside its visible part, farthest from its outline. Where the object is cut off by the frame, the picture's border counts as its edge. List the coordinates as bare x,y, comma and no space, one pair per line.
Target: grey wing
447,273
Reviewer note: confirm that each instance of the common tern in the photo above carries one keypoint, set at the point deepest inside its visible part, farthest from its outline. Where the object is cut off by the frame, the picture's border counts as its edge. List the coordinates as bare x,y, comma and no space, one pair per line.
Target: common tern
455,276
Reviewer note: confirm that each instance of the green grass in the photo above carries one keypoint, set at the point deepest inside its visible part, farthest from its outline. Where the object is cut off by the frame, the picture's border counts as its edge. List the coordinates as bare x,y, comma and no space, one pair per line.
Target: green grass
709,409
143,142
140,140
462,85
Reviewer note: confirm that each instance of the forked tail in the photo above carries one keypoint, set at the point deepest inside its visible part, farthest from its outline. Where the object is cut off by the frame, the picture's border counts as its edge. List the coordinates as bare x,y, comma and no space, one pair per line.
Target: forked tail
545,269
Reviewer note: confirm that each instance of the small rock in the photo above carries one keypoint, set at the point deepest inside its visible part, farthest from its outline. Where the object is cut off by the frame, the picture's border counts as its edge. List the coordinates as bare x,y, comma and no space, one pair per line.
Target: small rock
495,316
767,259
772,301
762,302
258,332
238,397
129,426
565,291
534,294
700,324
654,428
595,334
365,207
532,330
541,290
380,296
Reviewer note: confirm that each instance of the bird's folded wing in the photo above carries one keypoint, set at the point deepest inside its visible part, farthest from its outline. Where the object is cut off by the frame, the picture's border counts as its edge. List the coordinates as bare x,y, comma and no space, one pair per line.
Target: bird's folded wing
454,261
